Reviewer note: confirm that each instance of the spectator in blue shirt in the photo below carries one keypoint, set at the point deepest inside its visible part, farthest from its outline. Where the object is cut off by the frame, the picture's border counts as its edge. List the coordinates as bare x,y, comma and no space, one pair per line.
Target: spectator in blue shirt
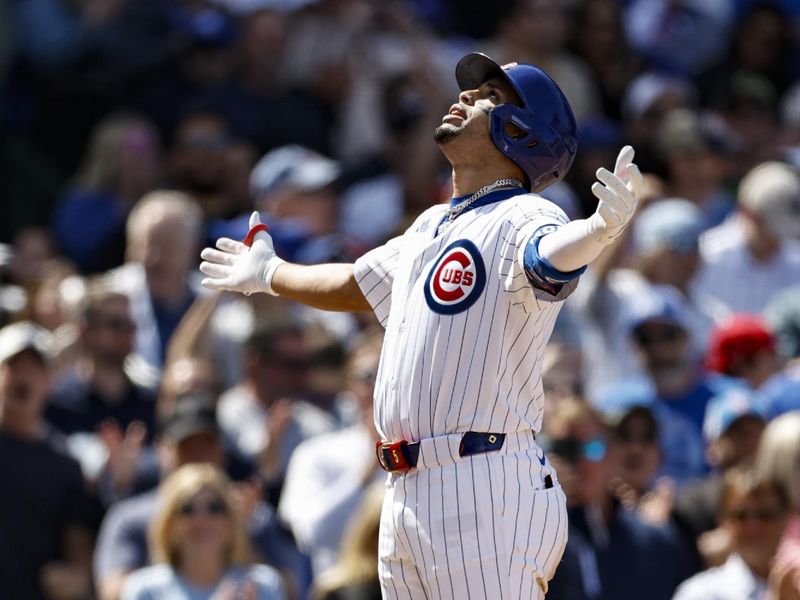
676,388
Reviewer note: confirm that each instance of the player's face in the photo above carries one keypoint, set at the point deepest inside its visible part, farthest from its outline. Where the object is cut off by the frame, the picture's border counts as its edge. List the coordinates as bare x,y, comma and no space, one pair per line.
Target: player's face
469,117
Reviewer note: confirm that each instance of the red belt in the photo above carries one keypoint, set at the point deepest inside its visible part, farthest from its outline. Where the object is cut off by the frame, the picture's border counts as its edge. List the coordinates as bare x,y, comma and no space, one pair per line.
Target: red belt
402,455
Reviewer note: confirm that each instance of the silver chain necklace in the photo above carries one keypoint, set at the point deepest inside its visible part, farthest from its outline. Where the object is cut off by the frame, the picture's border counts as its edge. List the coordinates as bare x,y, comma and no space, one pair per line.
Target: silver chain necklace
456,210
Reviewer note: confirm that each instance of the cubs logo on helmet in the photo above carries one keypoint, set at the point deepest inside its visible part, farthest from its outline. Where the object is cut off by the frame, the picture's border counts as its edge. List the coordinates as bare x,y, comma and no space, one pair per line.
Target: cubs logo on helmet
456,279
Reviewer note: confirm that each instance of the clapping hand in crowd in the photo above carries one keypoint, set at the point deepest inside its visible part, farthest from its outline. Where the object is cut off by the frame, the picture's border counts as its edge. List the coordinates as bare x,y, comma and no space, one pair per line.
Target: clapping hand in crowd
124,449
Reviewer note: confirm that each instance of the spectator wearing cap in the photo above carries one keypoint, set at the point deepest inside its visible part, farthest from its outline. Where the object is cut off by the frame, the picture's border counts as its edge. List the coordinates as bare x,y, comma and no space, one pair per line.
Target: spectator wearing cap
611,553
732,430
48,518
753,513
294,188
675,385
190,435
742,346
664,237
755,254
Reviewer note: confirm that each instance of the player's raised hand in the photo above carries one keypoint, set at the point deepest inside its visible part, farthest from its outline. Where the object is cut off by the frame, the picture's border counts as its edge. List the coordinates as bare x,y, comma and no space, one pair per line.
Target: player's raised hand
618,194
245,267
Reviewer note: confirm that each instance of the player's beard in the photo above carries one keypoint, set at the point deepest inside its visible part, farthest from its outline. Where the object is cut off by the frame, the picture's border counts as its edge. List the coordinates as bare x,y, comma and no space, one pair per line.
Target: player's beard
446,133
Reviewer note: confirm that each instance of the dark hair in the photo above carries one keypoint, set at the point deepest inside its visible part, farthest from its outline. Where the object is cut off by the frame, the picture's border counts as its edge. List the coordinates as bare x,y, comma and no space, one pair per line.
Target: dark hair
262,341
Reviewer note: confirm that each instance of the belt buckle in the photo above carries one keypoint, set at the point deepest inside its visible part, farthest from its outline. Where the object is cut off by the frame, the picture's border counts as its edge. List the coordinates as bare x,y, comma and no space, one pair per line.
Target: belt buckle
391,456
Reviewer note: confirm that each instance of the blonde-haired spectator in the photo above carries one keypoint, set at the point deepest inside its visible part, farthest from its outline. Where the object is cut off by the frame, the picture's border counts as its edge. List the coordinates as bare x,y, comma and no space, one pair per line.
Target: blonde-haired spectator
163,232
355,574
121,164
778,459
199,539
752,514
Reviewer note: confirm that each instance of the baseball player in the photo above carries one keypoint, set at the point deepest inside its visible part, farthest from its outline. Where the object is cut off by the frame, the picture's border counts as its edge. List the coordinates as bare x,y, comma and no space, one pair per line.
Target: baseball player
468,295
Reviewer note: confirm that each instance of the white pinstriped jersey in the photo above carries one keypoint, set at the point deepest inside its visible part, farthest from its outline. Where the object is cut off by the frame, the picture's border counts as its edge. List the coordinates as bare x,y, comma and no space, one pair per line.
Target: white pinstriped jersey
465,329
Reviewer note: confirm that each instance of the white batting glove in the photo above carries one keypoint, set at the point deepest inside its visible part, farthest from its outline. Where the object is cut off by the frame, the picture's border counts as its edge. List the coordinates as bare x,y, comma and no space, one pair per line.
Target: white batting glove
618,193
245,267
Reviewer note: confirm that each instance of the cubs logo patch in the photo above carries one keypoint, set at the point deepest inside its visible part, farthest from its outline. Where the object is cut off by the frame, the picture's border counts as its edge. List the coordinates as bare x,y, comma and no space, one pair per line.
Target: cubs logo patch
456,280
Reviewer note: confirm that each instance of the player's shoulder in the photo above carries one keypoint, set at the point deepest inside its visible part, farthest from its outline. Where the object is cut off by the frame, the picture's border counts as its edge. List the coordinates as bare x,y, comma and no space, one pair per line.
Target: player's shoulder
527,207
428,219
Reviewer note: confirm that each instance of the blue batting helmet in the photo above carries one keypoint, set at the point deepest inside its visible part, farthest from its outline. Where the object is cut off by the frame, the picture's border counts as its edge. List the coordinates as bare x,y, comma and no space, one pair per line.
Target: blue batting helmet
548,141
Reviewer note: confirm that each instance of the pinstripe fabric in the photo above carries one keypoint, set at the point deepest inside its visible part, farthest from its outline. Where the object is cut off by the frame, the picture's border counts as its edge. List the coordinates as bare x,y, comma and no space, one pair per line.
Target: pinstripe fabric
457,532
482,527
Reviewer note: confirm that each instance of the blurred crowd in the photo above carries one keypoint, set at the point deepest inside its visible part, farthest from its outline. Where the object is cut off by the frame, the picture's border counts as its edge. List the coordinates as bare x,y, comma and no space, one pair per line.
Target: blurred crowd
159,441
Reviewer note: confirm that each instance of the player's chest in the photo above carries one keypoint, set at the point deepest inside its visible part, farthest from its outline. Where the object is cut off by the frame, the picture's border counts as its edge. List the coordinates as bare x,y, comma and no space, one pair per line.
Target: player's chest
448,274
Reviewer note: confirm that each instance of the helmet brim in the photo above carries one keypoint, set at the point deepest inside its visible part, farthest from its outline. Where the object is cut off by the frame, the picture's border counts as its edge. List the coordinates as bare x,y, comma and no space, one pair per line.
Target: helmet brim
475,69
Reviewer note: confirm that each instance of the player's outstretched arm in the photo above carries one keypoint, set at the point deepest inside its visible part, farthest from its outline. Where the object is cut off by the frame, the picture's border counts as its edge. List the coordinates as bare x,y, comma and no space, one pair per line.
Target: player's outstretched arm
252,266
579,242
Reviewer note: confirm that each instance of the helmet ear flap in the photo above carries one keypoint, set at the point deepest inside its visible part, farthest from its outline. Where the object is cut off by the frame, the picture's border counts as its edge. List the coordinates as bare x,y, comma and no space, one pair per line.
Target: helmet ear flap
514,137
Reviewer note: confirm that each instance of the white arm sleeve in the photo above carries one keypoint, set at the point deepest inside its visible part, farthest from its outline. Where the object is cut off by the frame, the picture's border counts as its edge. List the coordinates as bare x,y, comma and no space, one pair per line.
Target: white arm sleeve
571,246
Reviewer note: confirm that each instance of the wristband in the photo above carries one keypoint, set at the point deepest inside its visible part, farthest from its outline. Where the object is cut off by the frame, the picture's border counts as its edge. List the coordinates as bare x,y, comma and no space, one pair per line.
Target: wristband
269,272
251,235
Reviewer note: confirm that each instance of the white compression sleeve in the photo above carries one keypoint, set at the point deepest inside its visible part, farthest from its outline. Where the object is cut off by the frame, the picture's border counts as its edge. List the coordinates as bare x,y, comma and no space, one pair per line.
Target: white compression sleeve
571,246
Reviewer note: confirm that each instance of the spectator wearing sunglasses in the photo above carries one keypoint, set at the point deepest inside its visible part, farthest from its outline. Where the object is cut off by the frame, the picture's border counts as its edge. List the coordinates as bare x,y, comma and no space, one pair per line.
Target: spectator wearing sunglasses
611,553
199,541
754,514
329,475
676,387
189,436
103,388
266,416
